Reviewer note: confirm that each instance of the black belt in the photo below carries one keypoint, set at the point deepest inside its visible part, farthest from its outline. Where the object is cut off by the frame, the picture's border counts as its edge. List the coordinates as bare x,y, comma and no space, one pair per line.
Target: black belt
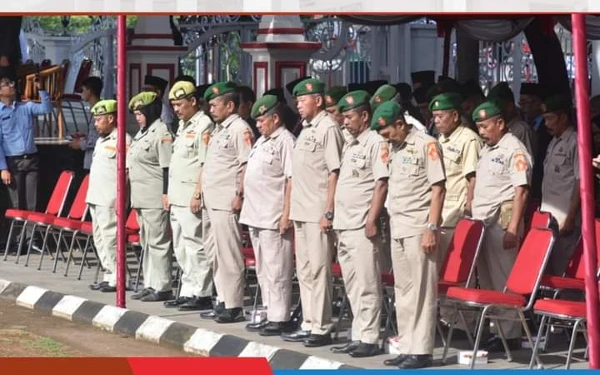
22,157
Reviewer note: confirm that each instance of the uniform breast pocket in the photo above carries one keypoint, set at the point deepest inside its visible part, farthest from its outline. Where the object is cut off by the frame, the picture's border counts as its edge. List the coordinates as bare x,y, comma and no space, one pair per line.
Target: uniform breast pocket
109,154
190,147
307,146
496,169
268,158
359,163
560,160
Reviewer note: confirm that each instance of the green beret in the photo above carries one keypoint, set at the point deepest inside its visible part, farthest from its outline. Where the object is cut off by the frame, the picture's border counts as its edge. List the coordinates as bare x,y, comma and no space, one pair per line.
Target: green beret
387,113
182,90
486,110
333,96
501,92
446,101
557,103
383,94
309,86
353,99
218,89
104,107
264,105
142,100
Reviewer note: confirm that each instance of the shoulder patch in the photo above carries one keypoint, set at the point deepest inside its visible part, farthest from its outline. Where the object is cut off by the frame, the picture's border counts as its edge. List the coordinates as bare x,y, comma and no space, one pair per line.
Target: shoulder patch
432,151
206,137
384,153
520,162
248,137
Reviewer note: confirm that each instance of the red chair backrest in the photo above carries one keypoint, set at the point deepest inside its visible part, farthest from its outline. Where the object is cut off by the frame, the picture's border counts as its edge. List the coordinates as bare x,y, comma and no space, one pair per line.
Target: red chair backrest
540,219
79,207
575,267
461,254
132,221
526,273
59,194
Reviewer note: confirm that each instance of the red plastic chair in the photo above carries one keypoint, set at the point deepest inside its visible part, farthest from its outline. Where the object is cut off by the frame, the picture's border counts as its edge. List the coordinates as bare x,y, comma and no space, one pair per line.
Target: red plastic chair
50,224
55,207
519,293
540,219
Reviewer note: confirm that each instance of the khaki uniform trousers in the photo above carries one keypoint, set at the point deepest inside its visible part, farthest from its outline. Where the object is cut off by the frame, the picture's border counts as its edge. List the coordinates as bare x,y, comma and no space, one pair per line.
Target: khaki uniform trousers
104,225
359,260
192,257
416,287
493,267
563,249
314,254
274,270
155,238
227,260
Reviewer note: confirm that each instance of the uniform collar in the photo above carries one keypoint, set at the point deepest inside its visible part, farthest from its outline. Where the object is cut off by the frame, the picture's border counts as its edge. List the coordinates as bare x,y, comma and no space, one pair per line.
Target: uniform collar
192,119
276,133
316,120
567,133
455,134
502,140
229,120
362,137
111,135
410,138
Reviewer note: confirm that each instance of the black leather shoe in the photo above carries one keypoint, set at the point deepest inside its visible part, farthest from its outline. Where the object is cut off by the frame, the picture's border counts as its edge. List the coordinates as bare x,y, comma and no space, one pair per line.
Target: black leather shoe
397,361
345,348
154,296
296,336
275,328
255,327
196,304
494,344
234,315
176,302
143,293
417,361
108,289
219,308
315,341
365,350
99,285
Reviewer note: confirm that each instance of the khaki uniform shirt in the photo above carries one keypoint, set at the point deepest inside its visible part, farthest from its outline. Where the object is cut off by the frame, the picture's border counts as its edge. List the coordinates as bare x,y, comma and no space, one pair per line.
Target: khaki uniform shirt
316,154
501,169
561,172
461,153
189,153
415,166
269,166
102,190
149,153
228,150
362,166
524,133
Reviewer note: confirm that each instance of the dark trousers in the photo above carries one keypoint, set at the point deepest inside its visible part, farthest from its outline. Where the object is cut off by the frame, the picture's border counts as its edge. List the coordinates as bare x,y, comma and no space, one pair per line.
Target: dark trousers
23,189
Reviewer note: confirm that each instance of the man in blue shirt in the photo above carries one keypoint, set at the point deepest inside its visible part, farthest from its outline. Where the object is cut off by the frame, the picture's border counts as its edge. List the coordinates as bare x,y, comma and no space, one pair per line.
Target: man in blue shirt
19,161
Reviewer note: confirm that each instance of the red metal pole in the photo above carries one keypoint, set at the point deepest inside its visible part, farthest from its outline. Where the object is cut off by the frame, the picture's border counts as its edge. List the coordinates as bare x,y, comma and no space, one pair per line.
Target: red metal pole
121,154
588,231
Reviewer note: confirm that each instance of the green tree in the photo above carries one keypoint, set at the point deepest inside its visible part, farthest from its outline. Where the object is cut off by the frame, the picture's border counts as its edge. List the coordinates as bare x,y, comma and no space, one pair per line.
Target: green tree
53,25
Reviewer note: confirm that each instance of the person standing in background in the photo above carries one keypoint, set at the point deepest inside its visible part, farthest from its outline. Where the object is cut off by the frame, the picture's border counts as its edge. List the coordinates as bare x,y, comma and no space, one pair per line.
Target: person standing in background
91,88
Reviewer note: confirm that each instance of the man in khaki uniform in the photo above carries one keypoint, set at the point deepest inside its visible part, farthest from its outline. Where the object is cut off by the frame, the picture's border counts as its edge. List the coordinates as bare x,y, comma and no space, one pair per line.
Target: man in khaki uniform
519,128
461,147
416,198
499,199
560,186
222,195
102,192
359,198
388,92
148,166
189,152
266,210
315,167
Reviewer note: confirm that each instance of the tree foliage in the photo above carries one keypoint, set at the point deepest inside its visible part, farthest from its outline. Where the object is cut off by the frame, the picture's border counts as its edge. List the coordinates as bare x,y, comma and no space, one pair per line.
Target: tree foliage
53,25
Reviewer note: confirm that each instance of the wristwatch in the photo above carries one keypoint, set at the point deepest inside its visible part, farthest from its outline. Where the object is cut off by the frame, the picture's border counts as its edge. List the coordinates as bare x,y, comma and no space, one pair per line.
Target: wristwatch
432,227
329,215
196,196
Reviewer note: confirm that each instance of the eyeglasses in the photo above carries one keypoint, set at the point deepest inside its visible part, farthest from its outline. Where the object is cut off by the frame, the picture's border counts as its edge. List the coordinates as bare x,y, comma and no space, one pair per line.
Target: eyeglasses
7,83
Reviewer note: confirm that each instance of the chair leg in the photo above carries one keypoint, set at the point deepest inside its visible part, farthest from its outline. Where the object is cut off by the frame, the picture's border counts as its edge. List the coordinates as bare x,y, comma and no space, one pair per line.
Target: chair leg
509,356
529,336
468,330
478,337
30,245
572,343
21,241
84,256
536,347
338,324
10,232
139,269
451,324
69,253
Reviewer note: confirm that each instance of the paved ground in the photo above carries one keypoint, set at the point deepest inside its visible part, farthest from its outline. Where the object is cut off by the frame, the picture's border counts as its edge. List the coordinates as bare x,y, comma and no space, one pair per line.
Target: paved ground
70,285
28,333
